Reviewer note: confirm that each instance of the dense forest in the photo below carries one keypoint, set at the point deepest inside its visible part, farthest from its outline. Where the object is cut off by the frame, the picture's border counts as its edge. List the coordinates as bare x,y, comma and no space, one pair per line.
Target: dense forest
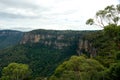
43,56
40,56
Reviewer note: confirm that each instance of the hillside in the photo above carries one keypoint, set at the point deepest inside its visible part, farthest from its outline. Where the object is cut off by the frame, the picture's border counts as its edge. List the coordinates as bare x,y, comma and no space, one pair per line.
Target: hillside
9,38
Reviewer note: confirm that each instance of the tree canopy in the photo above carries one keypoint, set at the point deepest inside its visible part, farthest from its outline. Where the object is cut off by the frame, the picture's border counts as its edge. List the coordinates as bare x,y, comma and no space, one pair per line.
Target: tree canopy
15,71
78,68
109,15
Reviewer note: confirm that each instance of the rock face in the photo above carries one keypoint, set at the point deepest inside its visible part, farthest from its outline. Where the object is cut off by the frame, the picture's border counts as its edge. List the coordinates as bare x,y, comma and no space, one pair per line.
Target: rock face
61,40
56,39
84,46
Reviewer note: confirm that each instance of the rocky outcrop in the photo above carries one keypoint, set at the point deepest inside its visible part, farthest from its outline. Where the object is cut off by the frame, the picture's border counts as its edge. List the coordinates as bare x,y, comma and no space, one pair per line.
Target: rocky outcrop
84,46
30,38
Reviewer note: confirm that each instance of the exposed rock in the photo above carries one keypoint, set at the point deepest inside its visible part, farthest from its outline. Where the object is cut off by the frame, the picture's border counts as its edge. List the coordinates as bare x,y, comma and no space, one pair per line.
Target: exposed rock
60,40
60,37
61,45
37,38
56,39
84,46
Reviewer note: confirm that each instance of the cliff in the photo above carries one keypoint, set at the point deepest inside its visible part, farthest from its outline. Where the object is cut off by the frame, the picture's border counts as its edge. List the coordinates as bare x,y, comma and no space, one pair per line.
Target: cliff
56,39
44,50
86,47
61,40
71,40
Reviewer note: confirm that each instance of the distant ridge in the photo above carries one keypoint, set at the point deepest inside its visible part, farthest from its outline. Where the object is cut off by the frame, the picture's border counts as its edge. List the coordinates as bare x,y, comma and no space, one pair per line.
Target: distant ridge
9,38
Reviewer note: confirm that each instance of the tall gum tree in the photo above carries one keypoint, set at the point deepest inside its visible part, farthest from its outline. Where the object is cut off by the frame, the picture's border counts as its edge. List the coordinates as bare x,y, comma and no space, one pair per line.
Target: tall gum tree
15,71
109,15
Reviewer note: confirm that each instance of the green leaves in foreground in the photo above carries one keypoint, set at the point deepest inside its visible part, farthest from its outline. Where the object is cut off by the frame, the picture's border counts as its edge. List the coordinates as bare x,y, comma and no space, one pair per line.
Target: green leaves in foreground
78,68
15,71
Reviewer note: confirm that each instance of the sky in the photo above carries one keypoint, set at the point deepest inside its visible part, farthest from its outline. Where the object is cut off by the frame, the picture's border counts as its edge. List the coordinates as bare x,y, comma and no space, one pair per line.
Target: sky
26,15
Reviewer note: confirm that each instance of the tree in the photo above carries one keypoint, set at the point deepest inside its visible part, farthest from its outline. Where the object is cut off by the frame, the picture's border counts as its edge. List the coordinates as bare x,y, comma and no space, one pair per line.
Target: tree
15,71
113,73
78,68
109,15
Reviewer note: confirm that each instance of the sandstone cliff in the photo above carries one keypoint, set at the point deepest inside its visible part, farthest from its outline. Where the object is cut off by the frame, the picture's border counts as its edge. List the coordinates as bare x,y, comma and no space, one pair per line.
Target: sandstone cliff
56,39
84,46
60,40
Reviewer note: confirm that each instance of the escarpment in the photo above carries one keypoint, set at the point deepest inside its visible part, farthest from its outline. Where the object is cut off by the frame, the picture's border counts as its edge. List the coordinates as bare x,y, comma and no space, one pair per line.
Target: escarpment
86,47
60,40
56,39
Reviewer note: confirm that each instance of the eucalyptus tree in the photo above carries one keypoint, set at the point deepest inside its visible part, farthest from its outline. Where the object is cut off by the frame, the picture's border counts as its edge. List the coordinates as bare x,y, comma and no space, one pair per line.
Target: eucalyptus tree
15,71
79,68
109,15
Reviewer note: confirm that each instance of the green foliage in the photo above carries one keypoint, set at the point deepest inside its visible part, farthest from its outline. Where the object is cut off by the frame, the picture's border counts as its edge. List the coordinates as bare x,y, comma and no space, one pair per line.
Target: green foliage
15,71
78,68
107,43
43,59
114,32
111,30
118,56
90,21
113,72
109,15
41,78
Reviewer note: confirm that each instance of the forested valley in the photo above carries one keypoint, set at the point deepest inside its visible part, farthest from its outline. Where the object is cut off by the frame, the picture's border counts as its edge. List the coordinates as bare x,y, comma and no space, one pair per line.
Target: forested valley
64,55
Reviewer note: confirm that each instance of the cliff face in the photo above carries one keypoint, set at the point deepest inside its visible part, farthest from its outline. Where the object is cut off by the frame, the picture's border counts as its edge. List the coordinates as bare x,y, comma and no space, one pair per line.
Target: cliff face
45,49
56,39
60,40
9,38
84,46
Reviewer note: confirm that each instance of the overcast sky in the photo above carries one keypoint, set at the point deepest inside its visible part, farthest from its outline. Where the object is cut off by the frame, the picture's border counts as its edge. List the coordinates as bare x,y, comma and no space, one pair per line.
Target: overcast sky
27,15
